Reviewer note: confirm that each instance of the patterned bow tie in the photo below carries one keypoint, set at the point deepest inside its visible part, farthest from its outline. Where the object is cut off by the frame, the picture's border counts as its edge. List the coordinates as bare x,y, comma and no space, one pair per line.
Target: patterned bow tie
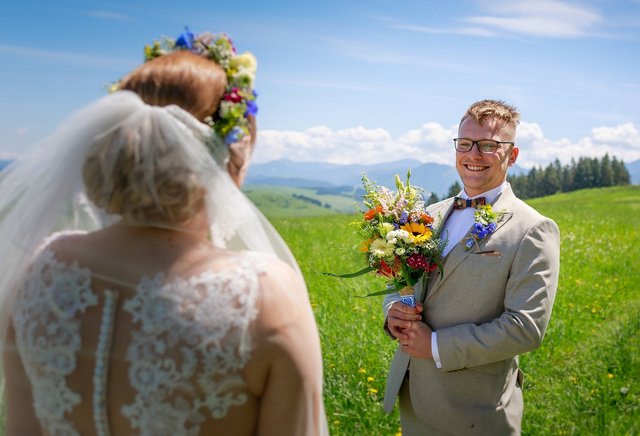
461,203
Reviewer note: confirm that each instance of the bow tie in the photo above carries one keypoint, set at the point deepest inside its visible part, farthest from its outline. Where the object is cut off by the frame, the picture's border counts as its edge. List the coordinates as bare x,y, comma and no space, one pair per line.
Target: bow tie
461,203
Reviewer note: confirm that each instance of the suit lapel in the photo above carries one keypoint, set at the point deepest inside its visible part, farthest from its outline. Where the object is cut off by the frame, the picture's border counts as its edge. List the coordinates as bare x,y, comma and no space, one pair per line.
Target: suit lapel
459,253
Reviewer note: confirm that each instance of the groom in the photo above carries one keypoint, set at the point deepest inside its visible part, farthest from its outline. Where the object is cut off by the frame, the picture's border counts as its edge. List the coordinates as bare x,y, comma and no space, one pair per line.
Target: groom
456,367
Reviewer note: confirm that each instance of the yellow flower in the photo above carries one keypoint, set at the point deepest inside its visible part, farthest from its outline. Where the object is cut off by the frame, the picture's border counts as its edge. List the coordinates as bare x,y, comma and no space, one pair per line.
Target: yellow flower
419,231
373,391
245,60
610,375
370,379
362,371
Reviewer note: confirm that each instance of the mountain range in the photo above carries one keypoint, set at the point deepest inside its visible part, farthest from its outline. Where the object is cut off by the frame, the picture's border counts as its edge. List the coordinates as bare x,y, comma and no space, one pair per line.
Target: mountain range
432,177
333,177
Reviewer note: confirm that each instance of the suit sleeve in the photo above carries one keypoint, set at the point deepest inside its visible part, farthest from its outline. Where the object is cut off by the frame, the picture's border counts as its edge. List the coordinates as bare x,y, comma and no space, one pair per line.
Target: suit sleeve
528,300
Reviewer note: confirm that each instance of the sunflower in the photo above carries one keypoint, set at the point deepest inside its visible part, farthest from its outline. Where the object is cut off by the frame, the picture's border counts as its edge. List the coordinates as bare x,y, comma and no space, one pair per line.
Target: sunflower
420,232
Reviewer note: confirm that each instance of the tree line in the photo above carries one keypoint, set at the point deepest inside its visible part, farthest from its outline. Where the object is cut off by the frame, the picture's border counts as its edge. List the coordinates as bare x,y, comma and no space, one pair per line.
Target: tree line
587,172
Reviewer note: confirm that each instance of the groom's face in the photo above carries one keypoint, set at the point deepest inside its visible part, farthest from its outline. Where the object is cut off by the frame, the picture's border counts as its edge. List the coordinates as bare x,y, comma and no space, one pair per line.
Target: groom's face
481,172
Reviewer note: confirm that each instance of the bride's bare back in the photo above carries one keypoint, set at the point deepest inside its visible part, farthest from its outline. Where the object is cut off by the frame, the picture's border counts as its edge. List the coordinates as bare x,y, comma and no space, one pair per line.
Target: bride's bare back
133,330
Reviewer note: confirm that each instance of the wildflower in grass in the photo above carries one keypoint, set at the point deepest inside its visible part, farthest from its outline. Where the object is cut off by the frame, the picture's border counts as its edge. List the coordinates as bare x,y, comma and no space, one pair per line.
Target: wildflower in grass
373,391
610,376
362,371
370,379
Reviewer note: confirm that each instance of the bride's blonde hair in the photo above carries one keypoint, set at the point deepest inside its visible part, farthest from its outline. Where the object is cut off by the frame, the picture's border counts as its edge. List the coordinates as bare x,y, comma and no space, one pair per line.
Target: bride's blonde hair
143,177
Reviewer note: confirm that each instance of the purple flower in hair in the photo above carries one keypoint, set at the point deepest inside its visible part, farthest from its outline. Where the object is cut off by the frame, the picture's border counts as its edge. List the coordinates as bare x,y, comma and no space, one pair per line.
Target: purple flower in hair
185,40
252,108
234,135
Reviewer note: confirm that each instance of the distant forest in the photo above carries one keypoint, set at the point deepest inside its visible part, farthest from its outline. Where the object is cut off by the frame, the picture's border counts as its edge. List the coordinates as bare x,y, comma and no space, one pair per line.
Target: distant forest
585,173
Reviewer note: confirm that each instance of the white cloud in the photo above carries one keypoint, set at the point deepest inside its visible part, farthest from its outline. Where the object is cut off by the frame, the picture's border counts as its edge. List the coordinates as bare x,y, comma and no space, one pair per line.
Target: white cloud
431,142
541,18
546,18
625,134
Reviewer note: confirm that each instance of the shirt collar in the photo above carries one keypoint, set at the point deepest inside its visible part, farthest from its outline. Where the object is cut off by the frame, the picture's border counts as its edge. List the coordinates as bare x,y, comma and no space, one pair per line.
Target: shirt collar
489,195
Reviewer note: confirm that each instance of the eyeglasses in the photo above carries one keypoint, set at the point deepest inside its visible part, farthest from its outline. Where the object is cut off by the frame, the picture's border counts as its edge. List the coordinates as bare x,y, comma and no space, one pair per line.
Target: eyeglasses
486,146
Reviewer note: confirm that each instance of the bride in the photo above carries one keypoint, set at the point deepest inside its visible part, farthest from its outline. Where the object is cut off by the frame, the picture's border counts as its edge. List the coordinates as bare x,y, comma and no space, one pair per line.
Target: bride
141,292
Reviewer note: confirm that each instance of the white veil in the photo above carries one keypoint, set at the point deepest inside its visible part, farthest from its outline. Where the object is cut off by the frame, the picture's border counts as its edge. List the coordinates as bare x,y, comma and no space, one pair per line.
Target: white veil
43,192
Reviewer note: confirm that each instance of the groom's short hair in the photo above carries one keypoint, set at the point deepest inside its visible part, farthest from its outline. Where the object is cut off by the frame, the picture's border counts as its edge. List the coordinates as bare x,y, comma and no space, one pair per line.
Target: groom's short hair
503,113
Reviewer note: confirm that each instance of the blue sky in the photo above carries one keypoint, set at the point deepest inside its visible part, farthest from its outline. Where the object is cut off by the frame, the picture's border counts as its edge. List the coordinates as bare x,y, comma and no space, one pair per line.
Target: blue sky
352,81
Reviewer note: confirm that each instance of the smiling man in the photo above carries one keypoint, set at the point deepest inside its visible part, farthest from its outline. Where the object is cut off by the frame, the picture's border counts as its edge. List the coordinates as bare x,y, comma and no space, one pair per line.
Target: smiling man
456,368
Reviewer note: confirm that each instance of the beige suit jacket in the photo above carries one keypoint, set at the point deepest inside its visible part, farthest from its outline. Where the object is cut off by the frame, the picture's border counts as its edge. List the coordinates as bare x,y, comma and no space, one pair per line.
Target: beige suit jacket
492,303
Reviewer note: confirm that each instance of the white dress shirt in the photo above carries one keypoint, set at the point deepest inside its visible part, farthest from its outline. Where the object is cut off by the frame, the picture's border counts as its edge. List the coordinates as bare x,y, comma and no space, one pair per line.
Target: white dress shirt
455,227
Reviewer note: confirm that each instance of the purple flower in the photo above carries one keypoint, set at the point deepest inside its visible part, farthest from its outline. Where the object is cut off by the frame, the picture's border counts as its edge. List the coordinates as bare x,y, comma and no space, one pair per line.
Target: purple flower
252,108
185,40
234,135
480,231
404,217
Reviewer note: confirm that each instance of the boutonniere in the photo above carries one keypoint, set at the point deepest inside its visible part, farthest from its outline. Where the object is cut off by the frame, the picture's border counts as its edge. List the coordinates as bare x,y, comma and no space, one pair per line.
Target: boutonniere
486,222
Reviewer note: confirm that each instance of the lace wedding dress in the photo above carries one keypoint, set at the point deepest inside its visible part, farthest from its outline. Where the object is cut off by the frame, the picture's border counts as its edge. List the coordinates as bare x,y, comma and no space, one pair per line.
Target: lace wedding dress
228,347
188,342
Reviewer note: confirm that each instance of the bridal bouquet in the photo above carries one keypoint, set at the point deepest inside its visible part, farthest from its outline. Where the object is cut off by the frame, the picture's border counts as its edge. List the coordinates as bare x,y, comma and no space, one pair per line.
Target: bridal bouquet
399,240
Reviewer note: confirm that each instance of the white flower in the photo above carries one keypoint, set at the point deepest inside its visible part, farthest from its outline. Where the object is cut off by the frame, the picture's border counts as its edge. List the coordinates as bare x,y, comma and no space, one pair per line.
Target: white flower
385,228
243,78
400,251
225,107
380,248
399,234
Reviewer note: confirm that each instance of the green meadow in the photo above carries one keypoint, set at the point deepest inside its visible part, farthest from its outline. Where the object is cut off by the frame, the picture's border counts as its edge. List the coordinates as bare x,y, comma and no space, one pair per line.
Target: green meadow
584,380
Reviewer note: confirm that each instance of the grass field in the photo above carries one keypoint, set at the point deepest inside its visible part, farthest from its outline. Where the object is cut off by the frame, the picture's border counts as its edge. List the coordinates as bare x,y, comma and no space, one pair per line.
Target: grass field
584,380
284,201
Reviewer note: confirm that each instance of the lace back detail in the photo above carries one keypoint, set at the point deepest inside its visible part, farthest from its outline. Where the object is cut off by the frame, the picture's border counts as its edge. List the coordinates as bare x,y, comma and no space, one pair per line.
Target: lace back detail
48,335
188,346
192,342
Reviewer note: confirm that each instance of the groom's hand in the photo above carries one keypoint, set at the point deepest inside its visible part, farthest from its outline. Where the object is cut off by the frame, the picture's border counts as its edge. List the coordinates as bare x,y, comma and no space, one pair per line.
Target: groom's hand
400,318
418,341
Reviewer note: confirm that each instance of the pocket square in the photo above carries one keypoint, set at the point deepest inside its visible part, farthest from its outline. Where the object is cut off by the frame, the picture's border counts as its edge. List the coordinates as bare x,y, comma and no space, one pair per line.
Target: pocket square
494,253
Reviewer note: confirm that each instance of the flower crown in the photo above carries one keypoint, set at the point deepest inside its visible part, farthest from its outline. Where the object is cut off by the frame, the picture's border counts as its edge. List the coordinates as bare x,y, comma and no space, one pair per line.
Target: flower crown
231,122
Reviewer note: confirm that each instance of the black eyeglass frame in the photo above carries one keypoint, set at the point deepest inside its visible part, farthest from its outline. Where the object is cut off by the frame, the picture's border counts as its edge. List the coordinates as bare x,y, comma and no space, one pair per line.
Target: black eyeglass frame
477,144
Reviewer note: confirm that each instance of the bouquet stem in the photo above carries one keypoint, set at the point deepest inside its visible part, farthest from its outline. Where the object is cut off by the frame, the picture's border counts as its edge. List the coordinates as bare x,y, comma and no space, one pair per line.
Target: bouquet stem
407,296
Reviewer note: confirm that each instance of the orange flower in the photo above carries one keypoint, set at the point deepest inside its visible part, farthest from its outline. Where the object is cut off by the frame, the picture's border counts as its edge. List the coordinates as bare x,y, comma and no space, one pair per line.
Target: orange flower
364,247
390,271
425,218
371,213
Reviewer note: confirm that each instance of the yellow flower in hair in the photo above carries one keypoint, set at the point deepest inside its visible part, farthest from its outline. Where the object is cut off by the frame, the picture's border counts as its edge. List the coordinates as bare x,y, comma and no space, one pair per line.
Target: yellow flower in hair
245,61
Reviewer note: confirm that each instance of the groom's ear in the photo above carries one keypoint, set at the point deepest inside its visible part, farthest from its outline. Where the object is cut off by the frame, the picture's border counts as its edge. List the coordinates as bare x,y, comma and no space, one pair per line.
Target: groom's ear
513,156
